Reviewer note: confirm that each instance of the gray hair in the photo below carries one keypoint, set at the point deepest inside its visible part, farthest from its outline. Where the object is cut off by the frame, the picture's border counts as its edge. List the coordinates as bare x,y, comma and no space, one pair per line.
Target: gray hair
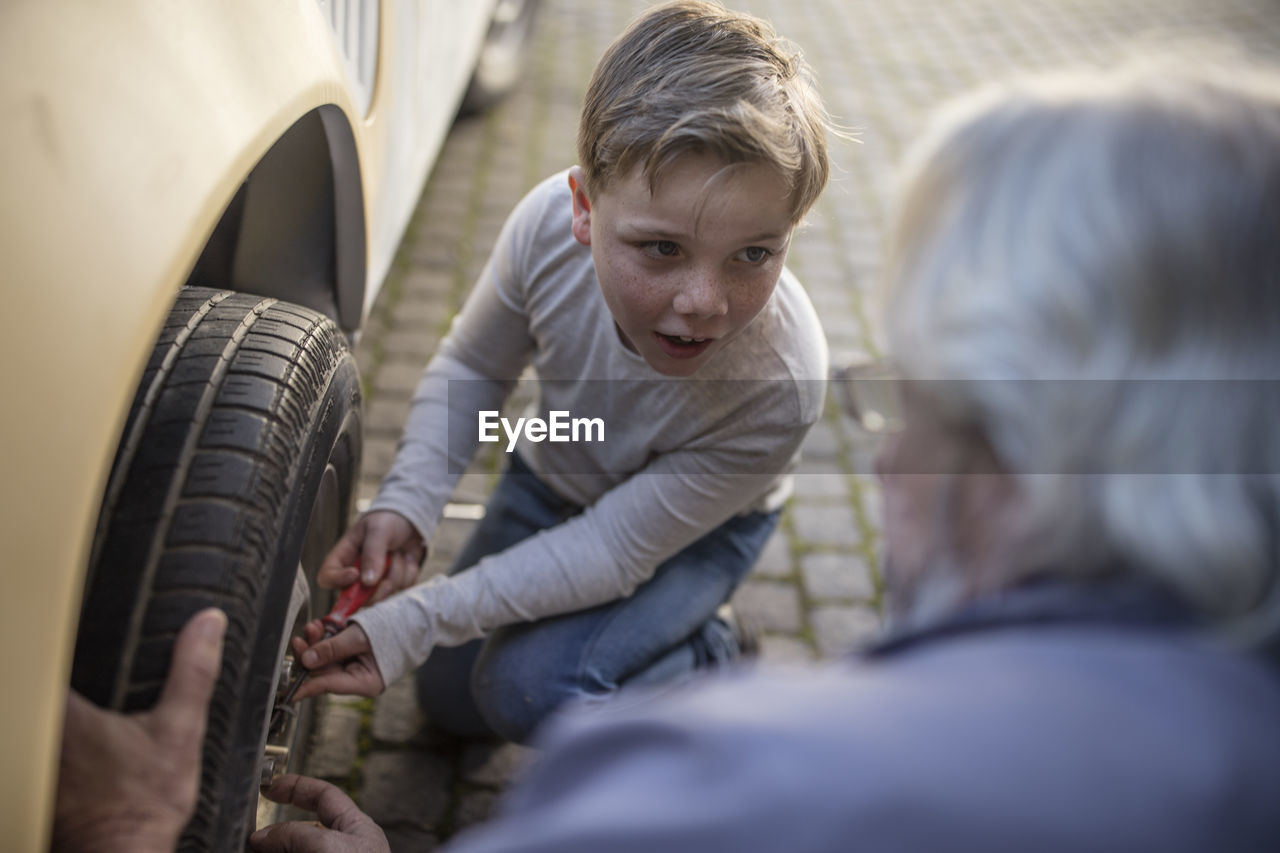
1084,258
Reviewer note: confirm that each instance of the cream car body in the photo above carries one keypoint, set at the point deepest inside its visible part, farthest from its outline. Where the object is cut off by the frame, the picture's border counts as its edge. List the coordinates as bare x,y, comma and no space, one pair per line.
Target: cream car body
128,129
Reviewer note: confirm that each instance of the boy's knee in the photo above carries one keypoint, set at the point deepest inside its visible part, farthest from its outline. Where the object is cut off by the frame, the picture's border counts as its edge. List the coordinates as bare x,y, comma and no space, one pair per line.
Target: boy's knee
443,690
515,694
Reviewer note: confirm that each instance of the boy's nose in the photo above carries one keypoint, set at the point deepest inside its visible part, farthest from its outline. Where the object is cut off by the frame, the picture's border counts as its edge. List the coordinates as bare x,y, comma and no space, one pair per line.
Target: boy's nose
702,295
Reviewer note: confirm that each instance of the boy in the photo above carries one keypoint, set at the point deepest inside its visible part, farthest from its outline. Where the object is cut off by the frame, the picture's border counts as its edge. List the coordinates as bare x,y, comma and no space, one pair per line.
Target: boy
646,286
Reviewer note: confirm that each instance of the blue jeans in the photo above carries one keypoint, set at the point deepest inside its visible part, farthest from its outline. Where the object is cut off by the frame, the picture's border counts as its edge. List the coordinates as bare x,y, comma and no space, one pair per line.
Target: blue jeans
509,681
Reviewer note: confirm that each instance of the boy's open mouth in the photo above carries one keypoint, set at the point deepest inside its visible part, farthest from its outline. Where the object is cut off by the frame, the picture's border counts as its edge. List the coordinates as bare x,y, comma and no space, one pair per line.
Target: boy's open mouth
679,346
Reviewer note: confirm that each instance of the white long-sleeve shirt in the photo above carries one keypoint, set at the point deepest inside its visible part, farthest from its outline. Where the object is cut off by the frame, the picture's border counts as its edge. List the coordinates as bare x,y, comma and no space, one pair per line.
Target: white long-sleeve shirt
679,456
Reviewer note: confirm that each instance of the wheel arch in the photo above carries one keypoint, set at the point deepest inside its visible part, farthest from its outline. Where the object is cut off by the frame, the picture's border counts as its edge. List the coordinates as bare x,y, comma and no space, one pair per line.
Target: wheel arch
295,227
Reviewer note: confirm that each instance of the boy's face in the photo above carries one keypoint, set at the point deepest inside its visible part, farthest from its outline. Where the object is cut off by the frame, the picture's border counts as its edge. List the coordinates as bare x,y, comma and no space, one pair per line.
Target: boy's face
686,268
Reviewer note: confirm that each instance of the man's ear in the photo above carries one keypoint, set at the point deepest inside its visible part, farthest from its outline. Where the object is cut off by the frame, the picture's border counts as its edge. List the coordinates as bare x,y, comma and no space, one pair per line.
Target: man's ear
581,207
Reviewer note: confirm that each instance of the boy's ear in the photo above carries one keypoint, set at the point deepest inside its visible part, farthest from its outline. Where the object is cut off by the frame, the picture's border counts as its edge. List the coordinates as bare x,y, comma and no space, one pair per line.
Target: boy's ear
581,207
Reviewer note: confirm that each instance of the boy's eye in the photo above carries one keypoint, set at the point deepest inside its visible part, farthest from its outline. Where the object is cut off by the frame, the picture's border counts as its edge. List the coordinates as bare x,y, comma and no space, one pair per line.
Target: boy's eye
754,254
665,248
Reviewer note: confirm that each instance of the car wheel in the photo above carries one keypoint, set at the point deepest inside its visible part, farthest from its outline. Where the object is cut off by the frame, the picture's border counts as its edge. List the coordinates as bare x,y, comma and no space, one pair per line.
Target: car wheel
234,477
501,60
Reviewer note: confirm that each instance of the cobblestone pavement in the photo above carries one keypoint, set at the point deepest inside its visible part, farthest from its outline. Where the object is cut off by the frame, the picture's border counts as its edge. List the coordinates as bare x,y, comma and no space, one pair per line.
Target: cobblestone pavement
882,65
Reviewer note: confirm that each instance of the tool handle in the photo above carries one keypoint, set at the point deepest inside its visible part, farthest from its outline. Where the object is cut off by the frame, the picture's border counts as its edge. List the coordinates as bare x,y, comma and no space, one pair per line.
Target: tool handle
351,600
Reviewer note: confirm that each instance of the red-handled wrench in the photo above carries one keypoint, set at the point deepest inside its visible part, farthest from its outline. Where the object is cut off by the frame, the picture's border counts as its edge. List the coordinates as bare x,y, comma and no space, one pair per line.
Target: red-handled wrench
349,601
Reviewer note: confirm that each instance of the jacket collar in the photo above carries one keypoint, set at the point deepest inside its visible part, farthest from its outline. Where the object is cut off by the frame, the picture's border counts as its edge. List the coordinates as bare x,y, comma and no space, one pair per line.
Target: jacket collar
1114,600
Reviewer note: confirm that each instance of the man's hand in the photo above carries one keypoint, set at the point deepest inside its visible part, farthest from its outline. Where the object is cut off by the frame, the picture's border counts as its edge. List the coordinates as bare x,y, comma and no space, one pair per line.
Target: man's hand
341,664
345,828
128,784
373,537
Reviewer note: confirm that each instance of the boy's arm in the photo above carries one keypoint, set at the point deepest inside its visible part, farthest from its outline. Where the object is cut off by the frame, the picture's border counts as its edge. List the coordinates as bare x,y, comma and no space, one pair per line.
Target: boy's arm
439,439
487,347
598,556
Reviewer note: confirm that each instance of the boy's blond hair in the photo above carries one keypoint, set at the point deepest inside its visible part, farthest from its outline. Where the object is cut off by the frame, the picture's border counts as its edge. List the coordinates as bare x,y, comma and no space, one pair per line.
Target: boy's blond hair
693,77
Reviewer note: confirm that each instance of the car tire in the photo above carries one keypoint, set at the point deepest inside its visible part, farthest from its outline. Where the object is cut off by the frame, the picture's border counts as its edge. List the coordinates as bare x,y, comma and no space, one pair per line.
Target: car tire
235,474
501,63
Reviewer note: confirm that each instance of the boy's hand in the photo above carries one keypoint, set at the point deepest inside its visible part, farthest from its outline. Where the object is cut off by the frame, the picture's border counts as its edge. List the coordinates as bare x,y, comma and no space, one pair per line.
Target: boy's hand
341,664
375,535
345,828
130,782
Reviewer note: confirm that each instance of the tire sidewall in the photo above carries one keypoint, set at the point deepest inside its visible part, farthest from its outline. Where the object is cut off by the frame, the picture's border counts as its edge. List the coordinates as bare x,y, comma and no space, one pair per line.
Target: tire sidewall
333,437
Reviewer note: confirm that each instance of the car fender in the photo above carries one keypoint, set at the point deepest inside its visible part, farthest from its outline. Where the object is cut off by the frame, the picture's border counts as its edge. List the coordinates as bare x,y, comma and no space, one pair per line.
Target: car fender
129,127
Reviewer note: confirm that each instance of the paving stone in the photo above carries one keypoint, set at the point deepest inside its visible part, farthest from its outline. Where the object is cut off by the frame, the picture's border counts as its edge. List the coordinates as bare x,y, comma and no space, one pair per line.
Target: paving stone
396,718
367,490
409,786
397,378
386,416
414,346
863,447
474,807
369,339
844,327
775,557
784,650
475,483
839,630
411,839
830,575
379,452
819,524
450,536
821,443
872,497
433,254
425,316
818,483
843,352
485,763
433,286
335,740
775,607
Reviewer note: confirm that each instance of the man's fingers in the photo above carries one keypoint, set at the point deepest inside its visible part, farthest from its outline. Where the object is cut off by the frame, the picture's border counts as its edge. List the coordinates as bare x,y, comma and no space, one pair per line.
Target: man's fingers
81,719
349,829
328,802
295,837
179,717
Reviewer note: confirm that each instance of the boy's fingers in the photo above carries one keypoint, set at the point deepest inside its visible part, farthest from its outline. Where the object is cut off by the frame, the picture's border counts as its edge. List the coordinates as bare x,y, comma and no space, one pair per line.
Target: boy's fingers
320,683
338,569
336,576
373,558
349,642
404,569
179,716
313,630
311,634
